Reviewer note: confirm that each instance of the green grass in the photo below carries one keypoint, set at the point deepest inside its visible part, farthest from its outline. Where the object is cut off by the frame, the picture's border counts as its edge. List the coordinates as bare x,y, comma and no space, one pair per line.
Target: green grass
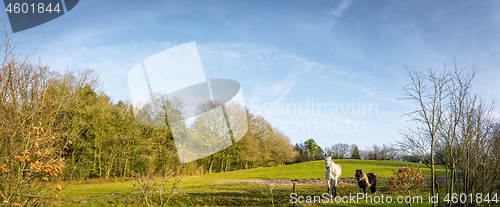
214,190
317,170
224,194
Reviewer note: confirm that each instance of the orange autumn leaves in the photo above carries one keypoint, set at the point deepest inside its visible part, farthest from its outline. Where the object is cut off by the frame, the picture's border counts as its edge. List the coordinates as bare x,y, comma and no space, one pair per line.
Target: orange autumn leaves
35,161
407,178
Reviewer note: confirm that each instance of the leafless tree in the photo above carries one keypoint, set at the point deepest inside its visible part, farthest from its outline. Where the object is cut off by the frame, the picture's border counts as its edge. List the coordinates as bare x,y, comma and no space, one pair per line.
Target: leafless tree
457,126
339,151
429,89
456,129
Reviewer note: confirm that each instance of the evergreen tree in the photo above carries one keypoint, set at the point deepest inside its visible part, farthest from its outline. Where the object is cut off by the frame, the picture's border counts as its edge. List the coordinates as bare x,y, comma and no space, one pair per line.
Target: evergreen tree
355,153
312,149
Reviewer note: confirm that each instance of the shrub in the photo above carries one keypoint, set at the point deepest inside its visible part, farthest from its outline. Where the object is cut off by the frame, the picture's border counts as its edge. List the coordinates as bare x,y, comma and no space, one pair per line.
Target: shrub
406,179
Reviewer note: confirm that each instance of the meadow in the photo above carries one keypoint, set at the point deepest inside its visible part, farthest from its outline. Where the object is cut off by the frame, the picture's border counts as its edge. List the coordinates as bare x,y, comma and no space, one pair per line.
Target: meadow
240,188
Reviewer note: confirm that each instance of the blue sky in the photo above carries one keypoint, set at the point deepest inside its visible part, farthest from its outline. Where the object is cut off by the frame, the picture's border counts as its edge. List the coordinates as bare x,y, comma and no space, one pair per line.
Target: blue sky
287,53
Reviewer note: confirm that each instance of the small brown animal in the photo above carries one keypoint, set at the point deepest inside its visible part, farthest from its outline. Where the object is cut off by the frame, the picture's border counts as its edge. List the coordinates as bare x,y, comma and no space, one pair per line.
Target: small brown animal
366,181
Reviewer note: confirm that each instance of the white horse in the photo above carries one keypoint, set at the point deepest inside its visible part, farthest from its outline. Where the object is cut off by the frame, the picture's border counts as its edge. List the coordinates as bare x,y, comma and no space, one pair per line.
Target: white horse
333,173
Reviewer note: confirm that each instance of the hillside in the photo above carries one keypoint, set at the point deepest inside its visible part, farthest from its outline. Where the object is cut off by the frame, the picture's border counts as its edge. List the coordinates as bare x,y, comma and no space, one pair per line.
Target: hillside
316,170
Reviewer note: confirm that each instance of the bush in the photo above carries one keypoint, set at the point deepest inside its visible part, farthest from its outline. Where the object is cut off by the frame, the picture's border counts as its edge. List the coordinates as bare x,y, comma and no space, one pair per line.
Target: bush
406,180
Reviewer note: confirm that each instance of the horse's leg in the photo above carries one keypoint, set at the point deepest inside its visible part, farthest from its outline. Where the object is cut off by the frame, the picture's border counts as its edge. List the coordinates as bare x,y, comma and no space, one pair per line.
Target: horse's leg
336,182
373,188
328,182
332,184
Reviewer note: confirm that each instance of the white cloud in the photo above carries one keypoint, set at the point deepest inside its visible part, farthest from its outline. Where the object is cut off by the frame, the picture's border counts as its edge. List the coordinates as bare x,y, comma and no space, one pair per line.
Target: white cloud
272,71
325,24
342,7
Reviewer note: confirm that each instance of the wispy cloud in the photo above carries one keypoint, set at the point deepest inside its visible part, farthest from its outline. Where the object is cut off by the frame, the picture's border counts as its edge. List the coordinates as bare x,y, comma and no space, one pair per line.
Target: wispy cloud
281,88
275,72
325,24
342,7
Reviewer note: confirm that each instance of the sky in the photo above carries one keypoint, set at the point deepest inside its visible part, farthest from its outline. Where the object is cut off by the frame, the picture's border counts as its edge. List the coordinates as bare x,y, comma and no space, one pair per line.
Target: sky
328,70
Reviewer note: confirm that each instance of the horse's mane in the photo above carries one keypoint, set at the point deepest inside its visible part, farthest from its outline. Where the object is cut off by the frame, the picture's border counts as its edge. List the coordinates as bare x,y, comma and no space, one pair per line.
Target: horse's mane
362,174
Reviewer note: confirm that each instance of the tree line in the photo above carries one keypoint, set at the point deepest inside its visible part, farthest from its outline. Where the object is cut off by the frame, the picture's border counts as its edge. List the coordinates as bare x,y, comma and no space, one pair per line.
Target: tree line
104,140
309,150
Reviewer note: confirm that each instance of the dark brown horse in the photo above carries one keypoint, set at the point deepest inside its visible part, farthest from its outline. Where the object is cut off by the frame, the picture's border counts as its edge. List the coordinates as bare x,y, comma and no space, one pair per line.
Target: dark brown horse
366,181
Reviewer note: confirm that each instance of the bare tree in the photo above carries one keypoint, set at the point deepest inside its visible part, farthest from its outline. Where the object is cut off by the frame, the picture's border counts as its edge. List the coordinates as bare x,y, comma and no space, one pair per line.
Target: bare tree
456,129
339,151
476,165
457,126
429,90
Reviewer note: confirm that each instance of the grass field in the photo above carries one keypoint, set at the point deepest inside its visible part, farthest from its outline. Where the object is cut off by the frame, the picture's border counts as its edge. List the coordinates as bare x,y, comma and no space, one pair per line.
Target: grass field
316,170
217,189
